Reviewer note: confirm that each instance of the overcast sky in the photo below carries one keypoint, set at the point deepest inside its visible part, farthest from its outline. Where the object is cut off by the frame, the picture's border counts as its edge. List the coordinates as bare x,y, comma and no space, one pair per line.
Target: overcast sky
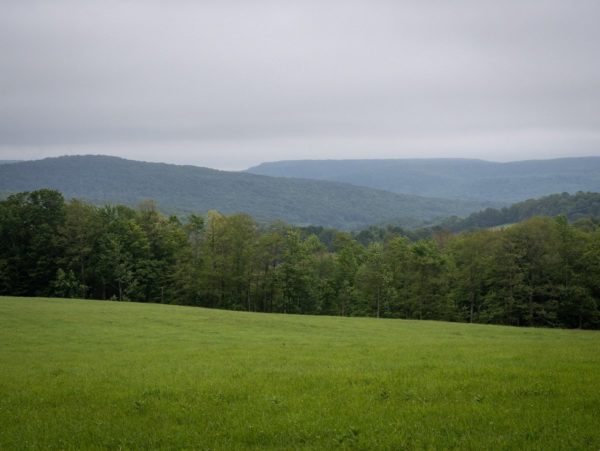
229,84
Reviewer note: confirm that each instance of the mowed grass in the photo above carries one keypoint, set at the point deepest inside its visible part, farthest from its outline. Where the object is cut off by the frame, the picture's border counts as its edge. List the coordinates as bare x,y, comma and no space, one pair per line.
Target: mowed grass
78,374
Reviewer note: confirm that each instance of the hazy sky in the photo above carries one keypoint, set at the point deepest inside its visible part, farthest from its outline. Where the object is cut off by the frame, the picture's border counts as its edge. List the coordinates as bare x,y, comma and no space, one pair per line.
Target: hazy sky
229,84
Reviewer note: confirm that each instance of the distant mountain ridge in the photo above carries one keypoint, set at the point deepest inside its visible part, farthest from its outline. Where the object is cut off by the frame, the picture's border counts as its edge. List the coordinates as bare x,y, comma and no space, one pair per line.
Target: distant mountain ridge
187,189
451,178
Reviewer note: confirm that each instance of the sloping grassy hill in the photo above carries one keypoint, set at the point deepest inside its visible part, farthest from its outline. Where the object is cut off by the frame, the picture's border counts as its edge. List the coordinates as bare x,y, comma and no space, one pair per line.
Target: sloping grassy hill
451,177
191,189
91,374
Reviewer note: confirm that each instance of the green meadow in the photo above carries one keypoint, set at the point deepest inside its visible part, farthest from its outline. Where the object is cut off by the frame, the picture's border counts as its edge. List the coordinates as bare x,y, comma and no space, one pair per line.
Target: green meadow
80,374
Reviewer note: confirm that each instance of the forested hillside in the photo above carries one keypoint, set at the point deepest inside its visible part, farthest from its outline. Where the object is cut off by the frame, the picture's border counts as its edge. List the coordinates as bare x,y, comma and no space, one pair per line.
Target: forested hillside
574,207
541,272
190,189
451,178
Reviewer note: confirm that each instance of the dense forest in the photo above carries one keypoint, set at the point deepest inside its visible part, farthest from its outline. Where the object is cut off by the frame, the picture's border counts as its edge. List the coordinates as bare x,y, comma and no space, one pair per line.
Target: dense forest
582,209
575,207
541,272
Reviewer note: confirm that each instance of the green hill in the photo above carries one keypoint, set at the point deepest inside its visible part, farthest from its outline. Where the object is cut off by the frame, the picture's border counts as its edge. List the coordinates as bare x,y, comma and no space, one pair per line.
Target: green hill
574,206
107,375
185,189
451,178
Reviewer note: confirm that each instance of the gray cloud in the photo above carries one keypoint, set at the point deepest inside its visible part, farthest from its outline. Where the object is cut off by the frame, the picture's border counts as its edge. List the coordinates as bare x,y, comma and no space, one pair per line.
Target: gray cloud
232,83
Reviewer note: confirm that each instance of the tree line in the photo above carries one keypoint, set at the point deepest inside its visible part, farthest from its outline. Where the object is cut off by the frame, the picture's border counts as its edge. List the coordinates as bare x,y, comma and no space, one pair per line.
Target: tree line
540,272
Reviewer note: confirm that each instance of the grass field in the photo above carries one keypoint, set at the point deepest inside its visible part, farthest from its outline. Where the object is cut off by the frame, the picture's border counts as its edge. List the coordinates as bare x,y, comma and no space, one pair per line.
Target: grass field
91,374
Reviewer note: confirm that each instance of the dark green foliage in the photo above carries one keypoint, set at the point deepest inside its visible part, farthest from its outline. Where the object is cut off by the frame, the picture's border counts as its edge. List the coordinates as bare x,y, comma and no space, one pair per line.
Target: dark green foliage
540,272
67,285
451,178
29,241
183,190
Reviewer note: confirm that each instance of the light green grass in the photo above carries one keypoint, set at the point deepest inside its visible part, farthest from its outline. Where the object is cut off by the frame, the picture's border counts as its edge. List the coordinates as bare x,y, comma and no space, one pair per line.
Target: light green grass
92,374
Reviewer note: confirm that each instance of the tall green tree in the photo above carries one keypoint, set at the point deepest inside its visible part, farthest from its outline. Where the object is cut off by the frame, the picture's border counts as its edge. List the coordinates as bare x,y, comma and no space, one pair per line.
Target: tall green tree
78,235
397,256
373,279
471,259
349,256
29,241
428,266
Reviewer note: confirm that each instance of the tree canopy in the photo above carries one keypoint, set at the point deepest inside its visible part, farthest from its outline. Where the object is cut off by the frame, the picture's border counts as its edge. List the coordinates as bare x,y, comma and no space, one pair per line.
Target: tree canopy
540,272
